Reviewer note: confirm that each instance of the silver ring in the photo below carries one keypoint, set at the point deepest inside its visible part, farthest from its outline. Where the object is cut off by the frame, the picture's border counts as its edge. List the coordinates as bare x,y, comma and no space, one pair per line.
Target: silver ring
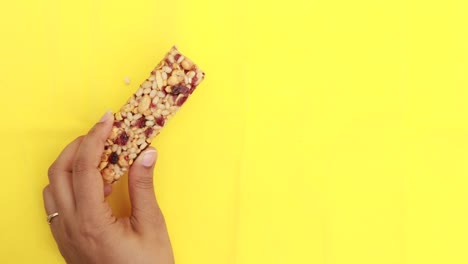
51,216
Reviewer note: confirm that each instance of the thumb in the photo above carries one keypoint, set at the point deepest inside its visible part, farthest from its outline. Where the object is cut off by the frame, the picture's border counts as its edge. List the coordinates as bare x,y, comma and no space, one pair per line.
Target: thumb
140,184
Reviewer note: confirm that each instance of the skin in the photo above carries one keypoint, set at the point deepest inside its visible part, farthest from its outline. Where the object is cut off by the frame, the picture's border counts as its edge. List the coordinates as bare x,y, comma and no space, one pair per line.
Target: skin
86,231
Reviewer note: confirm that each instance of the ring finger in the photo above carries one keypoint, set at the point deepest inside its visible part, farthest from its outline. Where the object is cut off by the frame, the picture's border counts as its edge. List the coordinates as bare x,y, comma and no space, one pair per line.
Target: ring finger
51,208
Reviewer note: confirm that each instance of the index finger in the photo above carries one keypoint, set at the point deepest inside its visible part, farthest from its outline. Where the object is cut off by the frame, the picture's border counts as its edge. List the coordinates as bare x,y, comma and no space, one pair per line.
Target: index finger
87,180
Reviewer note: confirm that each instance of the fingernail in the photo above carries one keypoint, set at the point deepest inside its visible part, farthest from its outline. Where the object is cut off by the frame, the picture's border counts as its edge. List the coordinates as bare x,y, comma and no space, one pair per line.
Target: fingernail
105,116
148,158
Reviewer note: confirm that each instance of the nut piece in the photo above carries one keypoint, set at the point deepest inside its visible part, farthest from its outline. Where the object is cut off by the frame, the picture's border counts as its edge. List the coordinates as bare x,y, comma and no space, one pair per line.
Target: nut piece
118,116
123,162
139,92
146,84
113,134
187,64
144,104
179,74
191,74
173,80
155,100
159,79
104,157
103,165
108,175
167,69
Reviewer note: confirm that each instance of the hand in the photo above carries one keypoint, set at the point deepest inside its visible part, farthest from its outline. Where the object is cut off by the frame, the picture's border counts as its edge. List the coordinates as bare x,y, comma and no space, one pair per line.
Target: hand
85,230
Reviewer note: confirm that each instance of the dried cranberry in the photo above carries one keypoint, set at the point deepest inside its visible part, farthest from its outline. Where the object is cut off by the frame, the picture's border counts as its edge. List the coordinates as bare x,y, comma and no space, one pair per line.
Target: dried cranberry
152,105
148,132
113,158
179,89
181,100
177,57
122,139
160,121
169,63
126,158
117,123
140,123
194,80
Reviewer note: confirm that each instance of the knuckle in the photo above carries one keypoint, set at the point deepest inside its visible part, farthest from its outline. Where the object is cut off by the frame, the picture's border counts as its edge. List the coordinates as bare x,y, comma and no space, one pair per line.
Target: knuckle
86,232
144,183
52,172
95,130
90,234
147,216
153,218
68,231
93,141
80,138
45,190
158,218
81,167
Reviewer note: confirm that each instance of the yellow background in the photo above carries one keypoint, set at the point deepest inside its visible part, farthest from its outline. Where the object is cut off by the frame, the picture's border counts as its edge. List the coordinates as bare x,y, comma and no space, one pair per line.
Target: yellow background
325,132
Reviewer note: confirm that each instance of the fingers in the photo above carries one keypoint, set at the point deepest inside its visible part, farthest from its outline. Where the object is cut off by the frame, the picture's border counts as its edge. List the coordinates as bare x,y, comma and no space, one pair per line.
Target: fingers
60,176
107,189
50,208
140,183
88,186
49,202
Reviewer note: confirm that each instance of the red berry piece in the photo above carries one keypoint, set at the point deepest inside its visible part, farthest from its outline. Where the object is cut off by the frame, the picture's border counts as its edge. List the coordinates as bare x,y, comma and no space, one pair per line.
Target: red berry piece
140,123
179,89
148,132
122,139
181,100
160,121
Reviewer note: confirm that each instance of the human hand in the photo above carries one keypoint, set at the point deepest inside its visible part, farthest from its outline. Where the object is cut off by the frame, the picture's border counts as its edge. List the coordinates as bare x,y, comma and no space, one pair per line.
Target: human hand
85,230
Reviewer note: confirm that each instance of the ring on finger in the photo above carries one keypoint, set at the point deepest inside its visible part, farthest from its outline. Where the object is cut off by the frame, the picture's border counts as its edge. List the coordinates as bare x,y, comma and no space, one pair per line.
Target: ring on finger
51,216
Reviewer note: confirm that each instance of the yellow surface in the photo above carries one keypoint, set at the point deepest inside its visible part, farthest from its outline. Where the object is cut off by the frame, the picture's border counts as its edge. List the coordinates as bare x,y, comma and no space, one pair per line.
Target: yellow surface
326,131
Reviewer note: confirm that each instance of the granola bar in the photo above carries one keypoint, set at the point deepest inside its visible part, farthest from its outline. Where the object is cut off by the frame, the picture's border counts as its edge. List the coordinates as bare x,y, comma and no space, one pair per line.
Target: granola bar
144,115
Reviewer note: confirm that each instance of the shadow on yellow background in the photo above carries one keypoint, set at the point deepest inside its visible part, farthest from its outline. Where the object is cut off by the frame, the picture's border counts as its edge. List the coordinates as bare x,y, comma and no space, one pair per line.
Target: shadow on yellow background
325,132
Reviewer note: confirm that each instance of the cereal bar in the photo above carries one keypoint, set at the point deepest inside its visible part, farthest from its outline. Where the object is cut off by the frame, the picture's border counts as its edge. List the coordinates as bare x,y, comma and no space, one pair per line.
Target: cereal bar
147,111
